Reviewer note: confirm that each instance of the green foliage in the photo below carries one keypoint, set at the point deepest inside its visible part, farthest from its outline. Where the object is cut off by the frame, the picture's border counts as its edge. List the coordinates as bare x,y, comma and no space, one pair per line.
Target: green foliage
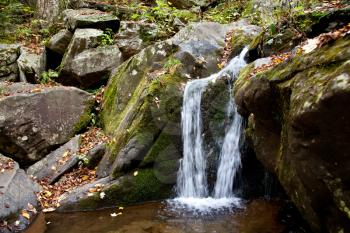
106,38
164,15
48,76
172,62
12,13
225,12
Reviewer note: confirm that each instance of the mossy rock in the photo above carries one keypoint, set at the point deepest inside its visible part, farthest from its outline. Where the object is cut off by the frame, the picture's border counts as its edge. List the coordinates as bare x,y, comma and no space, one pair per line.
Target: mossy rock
299,120
129,189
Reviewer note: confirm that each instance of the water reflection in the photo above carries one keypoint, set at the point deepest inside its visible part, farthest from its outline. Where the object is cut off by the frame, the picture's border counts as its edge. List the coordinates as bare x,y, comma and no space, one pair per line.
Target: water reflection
259,216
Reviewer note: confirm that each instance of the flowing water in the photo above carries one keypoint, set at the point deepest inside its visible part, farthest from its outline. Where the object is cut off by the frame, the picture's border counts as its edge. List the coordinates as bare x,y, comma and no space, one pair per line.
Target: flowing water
192,187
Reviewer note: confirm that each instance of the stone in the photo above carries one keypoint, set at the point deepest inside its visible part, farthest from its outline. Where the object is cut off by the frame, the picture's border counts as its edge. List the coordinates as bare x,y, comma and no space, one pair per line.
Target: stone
60,41
82,39
90,18
153,81
94,156
299,128
8,66
132,37
31,65
84,63
17,193
130,188
91,67
57,162
35,119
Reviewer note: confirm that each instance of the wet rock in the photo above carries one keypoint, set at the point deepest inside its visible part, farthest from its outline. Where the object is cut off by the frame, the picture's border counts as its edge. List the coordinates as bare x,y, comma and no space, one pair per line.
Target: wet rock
297,120
146,121
17,193
133,37
32,121
31,65
57,162
140,186
70,201
8,66
91,67
90,18
60,41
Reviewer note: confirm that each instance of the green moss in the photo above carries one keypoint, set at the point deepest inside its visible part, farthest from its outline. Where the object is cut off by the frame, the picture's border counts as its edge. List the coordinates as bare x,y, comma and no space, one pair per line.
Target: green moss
145,186
163,141
84,119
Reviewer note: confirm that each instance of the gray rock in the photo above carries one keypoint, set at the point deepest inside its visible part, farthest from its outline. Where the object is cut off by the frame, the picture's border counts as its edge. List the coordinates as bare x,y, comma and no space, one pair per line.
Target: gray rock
8,66
200,45
82,39
17,190
132,154
94,156
34,119
70,201
91,66
31,65
90,18
85,64
57,162
59,42
131,37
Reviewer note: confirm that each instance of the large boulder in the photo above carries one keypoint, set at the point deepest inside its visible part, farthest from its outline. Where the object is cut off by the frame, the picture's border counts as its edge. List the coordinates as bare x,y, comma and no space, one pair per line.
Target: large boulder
31,65
60,41
17,196
35,119
85,64
90,18
56,47
134,36
128,189
8,65
142,102
299,127
57,162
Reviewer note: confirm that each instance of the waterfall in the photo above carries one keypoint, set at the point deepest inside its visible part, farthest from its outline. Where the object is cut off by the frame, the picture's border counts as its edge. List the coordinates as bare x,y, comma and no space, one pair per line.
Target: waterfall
192,178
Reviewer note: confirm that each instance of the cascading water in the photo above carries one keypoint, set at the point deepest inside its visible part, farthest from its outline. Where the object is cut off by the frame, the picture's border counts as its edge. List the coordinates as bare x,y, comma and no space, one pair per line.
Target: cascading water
192,188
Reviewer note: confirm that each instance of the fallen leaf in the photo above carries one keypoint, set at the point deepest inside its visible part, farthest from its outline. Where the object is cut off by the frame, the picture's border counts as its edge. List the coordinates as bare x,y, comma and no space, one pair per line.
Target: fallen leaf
25,214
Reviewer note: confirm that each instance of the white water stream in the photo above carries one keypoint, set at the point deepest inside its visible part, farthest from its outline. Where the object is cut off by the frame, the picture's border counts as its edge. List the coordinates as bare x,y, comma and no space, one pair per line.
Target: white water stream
192,187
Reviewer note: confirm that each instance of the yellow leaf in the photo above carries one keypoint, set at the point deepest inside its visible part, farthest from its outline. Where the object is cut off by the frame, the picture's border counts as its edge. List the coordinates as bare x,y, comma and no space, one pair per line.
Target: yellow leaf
85,177
25,214
47,193
121,207
136,173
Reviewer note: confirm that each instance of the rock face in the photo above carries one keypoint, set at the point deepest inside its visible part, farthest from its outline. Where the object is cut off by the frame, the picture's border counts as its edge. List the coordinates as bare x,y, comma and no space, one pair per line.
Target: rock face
32,120
57,162
17,190
60,41
299,127
132,37
90,18
127,189
31,65
85,64
142,103
8,66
